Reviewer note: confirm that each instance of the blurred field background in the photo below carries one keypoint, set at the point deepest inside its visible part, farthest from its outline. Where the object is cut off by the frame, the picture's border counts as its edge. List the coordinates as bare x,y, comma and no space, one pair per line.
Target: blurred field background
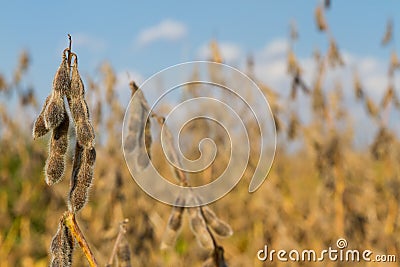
336,172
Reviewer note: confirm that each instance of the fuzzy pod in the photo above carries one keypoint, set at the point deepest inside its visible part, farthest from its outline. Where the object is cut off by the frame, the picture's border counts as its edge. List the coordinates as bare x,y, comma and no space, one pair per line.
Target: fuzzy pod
89,155
82,178
220,227
39,127
143,160
79,110
78,197
130,143
174,224
54,168
320,19
59,137
61,82
139,121
85,134
61,247
55,111
199,228
77,87
175,218
168,239
123,253
371,107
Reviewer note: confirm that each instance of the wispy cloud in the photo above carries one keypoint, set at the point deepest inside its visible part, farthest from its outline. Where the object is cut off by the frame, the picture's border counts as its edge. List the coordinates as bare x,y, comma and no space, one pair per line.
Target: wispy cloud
230,52
124,77
277,47
170,30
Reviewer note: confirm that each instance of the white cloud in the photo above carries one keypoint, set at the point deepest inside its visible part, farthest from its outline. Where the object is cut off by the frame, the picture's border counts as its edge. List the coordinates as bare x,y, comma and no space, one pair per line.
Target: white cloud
122,85
277,47
88,41
230,52
168,29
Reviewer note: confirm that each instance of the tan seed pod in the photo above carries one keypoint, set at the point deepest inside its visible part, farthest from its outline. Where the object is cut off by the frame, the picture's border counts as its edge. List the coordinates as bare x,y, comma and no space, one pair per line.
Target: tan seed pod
61,82
124,253
220,227
387,37
199,228
139,128
320,18
85,134
382,144
85,176
78,197
174,225
371,107
176,213
89,155
61,247
396,100
130,143
79,111
215,52
82,178
77,162
59,138
318,98
334,55
77,87
175,218
358,90
39,127
168,239
394,62
143,160
293,126
54,168
292,64
54,112
388,96
278,123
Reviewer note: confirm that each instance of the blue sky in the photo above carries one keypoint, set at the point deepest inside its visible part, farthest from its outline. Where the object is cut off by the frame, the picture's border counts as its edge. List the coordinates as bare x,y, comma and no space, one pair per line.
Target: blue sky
112,30
144,37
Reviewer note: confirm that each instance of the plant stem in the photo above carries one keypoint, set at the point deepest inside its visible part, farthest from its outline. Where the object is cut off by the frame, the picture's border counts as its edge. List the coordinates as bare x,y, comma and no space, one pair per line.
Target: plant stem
69,50
122,231
70,222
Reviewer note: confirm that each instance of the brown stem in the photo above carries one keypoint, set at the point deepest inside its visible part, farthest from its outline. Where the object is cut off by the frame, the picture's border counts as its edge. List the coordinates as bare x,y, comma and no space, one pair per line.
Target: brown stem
122,231
69,50
70,222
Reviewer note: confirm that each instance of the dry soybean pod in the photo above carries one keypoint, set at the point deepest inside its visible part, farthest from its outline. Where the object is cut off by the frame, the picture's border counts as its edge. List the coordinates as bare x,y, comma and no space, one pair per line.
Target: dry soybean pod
220,227
39,127
174,225
79,108
55,164
199,228
61,247
82,179
55,109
